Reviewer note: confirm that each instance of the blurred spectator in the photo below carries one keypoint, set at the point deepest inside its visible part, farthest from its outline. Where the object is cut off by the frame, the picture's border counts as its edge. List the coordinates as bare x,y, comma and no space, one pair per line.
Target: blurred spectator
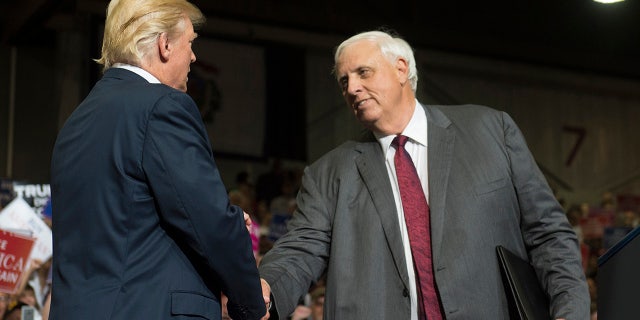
47,213
240,199
14,313
243,195
313,306
608,201
264,217
35,284
574,215
584,207
245,190
28,297
283,206
5,298
264,245
280,216
40,280
628,218
317,303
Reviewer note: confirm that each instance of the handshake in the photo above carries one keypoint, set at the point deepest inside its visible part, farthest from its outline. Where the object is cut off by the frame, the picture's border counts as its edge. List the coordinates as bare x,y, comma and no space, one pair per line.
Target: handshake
266,289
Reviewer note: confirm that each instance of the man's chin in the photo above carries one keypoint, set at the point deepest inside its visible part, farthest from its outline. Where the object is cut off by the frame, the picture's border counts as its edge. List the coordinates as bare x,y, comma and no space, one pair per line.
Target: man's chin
365,117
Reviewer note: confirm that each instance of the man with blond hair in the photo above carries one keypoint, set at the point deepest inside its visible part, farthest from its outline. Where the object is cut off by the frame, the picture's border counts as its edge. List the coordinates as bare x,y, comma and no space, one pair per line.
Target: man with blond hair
143,228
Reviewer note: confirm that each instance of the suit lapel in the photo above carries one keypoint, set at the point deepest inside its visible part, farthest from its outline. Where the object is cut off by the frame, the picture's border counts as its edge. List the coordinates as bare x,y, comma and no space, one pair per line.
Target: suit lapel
370,163
373,171
441,139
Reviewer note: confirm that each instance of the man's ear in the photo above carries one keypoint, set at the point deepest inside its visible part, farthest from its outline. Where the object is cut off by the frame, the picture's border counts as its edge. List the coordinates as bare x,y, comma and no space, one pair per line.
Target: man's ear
402,69
164,48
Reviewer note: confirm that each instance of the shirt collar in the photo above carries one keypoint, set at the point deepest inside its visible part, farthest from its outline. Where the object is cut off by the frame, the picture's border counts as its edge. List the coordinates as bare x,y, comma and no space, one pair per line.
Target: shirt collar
139,71
416,130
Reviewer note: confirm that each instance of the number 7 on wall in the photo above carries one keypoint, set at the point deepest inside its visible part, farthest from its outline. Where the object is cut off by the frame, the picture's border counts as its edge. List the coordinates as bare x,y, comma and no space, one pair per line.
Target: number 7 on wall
581,133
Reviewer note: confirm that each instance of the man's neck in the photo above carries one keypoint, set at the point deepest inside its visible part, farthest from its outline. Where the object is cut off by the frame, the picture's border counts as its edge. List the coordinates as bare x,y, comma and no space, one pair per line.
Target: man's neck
399,122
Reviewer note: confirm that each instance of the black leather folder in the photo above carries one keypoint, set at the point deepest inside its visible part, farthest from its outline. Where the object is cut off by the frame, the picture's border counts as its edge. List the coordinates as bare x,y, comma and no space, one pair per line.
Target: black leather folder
527,299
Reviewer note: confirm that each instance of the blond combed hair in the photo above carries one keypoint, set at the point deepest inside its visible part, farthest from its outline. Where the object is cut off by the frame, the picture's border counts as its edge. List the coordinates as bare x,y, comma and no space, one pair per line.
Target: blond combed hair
132,27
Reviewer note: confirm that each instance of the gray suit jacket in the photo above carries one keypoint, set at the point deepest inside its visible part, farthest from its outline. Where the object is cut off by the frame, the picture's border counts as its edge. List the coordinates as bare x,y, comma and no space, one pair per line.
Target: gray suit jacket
484,190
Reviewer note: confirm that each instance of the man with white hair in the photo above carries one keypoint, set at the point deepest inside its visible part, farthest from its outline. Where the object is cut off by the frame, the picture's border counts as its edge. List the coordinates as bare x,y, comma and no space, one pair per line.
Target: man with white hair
405,223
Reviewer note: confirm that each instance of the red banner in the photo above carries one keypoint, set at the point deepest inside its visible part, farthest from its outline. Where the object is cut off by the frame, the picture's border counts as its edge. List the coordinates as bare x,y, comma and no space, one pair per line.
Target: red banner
14,256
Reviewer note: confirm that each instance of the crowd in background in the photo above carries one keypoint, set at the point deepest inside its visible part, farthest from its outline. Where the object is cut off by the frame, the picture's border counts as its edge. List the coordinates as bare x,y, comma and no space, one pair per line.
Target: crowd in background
599,227
33,291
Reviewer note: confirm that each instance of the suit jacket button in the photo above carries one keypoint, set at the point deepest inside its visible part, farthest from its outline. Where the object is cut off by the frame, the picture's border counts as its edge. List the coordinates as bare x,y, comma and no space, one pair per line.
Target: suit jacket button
405,292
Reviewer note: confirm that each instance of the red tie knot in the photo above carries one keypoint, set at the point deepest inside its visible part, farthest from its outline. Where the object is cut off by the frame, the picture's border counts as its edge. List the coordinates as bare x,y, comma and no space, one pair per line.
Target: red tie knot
400,141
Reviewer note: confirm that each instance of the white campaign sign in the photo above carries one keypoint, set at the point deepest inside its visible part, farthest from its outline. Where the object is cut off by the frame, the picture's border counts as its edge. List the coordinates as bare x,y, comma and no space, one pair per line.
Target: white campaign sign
18,215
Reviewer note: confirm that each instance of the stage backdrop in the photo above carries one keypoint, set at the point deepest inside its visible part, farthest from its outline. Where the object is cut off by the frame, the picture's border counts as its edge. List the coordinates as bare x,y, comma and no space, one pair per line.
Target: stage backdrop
227,81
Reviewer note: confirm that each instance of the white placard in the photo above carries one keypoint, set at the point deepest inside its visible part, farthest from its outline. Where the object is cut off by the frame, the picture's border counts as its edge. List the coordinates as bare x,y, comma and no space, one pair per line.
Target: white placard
18,215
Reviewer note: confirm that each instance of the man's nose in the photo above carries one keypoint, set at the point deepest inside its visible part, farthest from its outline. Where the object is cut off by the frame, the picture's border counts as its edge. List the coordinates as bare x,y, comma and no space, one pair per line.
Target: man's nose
354,86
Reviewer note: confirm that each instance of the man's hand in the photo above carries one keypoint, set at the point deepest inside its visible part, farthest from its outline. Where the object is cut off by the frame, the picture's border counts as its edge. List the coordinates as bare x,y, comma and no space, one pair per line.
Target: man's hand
266,295
247,221
223,303
301,313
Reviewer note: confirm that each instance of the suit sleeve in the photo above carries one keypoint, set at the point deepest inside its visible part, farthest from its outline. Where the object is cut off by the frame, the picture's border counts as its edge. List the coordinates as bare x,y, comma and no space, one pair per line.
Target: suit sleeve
194,207
552,245
300,256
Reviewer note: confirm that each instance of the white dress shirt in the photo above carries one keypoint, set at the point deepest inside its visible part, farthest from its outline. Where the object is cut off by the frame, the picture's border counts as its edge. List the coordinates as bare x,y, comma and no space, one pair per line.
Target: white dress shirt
416,146
139,71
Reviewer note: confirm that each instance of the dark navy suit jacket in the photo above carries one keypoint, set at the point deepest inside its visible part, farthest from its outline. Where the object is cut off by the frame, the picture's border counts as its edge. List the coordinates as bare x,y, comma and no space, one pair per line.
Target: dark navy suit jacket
142,225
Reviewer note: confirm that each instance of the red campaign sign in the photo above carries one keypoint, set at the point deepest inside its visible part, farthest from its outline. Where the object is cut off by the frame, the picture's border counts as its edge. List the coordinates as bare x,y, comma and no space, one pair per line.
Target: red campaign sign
14,256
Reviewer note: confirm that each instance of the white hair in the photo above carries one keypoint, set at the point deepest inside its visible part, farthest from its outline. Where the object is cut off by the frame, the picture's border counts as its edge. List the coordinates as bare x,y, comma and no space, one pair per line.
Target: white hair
391,47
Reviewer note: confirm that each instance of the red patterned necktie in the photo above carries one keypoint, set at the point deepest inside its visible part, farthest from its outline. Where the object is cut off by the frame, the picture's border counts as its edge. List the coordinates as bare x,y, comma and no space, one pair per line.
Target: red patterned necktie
416,215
